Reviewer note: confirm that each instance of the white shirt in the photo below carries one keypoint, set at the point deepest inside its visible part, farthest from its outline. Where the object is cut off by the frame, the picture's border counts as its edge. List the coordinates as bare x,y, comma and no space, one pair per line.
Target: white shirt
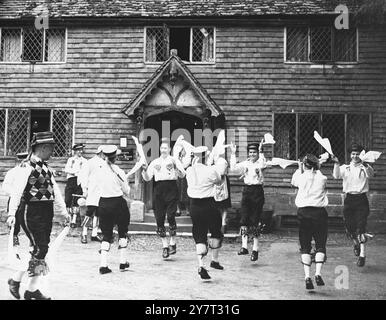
162,169
9,180
355,177
74,165
112,181
312,188
88,180
20,182
249,169
201,180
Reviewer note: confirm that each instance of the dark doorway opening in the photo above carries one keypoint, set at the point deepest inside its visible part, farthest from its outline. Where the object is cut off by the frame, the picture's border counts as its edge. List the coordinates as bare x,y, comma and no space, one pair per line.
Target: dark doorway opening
177,120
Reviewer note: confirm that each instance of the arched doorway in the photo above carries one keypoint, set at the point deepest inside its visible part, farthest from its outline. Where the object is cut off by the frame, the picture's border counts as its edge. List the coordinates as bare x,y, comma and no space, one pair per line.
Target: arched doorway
175,121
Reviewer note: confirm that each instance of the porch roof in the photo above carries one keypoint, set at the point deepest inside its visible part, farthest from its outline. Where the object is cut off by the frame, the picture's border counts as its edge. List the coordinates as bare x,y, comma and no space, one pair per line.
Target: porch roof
16,9
173,61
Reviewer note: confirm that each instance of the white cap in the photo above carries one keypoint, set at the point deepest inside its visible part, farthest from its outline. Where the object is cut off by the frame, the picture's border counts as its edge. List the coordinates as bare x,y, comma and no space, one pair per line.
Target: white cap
110,150
99,150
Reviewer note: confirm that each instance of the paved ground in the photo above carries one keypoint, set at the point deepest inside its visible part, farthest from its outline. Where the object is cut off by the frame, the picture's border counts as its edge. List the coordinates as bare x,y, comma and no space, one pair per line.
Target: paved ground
277,274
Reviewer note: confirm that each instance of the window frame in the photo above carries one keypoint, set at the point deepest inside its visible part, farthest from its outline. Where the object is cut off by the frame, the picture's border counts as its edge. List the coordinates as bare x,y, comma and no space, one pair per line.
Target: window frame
316,63
43,53
346,114
190,62
4,156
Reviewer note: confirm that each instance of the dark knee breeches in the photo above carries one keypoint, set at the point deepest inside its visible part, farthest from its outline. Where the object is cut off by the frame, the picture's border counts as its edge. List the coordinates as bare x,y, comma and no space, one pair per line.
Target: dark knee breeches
313,224
165,206
113,211
206,218
355,213
252,203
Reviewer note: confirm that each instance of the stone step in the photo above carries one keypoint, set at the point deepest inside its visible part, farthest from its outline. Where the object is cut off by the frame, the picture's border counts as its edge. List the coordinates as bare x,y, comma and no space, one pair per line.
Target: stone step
149,217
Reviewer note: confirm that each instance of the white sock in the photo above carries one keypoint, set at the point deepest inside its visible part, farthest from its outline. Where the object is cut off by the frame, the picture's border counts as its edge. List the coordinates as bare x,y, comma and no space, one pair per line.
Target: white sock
18,276
172,241
73,218
165,242
84,231
306,259
224,218
215,253
244,241
255,244
104,254
319,256
201,260
363,250
122,255
33,283
94,232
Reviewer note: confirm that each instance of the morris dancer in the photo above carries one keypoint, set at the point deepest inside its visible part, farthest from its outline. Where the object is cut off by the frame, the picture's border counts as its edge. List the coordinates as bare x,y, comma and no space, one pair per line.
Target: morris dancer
90,188
253,195
8,185
311,201
222,192
204,213
113,210
356,209
165,174
73,166
35,188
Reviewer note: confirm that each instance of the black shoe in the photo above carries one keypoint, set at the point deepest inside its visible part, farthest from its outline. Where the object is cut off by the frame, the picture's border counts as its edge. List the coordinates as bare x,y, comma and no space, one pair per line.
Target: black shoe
72,225
14,287
36,295
361,261
319,281
165,253
254,255
243,251
97,239
83,239
357,250
216,265
173,249
309,284
124,266
203,273
104,270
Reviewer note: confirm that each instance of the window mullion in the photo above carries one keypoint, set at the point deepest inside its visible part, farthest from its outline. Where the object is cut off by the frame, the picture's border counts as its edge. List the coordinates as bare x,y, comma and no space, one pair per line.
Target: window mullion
297,135
309,44
345,137
191,46
6,133
44,45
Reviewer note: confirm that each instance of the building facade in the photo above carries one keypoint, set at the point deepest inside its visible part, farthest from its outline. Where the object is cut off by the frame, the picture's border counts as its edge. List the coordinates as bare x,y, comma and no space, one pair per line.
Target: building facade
105,70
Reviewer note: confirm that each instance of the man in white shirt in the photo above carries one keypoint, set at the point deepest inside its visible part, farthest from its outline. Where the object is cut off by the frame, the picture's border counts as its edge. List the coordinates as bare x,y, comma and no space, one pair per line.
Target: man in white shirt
252,201
36,187
205,215
73,166
8,185
222,191
90,188
311,201
165,174
356,209
113,209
